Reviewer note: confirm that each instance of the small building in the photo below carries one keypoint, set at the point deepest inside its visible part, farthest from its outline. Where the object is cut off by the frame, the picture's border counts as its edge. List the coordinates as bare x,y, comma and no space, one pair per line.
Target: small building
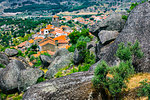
47,30
47,44
55,21
37,40
61,41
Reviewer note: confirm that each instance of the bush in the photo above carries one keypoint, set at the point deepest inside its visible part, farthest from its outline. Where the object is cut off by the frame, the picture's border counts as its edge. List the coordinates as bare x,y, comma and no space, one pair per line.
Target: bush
32,58
75,35
3,96
20,53
144,89
81,45
2,66
115,83
125,53
72,48
100,73
38,62
124,17
41,79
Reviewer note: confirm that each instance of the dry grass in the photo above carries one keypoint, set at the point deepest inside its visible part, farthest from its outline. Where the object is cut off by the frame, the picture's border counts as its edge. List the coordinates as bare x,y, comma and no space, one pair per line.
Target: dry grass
135,79
133,86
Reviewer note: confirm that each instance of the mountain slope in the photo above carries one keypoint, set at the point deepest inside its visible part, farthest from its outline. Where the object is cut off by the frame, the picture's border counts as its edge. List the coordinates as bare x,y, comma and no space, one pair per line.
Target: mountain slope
55,6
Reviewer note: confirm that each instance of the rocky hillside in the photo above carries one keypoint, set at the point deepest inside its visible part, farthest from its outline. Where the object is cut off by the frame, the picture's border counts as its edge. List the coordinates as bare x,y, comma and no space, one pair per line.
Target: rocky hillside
75,80
55,6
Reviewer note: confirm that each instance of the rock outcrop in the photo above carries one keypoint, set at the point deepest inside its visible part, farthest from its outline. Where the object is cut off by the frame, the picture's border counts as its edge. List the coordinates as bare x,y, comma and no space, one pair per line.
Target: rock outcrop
4,60
61,52
16,77
137,27
28,77
58,63
9,76
11,52
107,36
77,58
1,69
77,86
113,23
46,60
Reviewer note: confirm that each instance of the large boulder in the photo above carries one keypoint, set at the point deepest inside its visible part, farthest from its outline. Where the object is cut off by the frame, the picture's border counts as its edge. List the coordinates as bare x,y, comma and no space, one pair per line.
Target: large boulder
137,28
4,60
1,69
78,57
101,50
9,76
28,77
46,60
61,52
107,36
77,86
11,52
112,23
58,63
24,60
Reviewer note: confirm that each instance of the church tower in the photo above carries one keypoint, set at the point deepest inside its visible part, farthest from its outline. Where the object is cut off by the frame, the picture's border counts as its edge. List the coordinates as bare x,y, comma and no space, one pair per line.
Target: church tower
55,21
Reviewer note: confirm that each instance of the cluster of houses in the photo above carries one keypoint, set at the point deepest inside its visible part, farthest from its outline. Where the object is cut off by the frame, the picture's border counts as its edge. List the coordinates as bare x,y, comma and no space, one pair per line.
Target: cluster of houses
49,39
85,21
54,36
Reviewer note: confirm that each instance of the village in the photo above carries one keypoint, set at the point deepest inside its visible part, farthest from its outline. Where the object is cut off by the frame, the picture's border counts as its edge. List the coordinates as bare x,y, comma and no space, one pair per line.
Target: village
55,36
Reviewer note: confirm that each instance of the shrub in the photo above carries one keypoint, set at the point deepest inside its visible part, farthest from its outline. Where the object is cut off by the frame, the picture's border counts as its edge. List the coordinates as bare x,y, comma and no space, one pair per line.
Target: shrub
20,53
119,74
124,17
72,48
81,45
32,58
125,53
85,67
3,96
41,79
75,35
144,89
38,62
2,66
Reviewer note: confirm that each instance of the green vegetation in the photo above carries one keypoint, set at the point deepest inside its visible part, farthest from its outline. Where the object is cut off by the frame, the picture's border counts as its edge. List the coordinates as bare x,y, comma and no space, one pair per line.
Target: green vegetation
38,62
46,54
144,89
133,5
2,66
125,53
14,31
20,53
32,58
124,17
79,41
15,96
113,79
41,79
75,35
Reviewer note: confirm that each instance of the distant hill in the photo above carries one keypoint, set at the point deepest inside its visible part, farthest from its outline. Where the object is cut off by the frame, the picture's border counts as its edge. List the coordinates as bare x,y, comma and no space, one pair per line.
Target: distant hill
54,6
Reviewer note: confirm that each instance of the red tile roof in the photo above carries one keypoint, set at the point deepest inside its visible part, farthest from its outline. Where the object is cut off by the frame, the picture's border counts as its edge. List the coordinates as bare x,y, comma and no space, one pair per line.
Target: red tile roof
47,42
22,44
62,37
